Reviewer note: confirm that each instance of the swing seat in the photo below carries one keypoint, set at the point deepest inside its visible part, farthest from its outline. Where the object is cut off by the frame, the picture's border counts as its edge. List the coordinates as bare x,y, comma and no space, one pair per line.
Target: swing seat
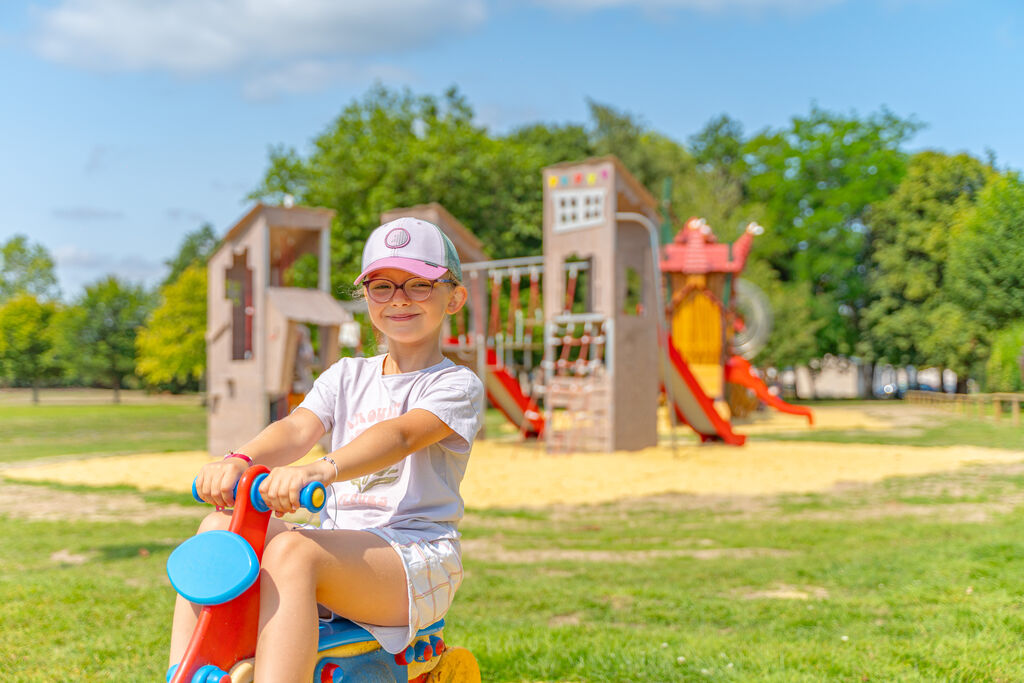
212,568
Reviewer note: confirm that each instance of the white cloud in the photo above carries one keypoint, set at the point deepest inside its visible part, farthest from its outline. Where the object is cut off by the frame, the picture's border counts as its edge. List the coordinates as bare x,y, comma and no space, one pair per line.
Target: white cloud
87,213
191,37
311,75
707,6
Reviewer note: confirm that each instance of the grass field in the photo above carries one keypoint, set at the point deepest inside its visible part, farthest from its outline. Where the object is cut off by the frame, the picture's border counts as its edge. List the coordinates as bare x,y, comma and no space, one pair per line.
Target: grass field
30,432
910,579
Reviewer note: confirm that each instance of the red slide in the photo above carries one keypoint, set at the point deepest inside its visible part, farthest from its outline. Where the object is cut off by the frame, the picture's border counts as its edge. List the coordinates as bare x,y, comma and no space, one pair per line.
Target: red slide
738,371
692,405
504,393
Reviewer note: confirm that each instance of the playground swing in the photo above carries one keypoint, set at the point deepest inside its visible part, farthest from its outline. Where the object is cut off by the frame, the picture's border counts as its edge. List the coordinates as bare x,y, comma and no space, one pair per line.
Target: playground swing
220,571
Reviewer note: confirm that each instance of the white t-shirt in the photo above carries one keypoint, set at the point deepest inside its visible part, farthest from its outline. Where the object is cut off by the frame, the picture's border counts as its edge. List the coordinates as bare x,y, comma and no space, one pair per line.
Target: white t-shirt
420,493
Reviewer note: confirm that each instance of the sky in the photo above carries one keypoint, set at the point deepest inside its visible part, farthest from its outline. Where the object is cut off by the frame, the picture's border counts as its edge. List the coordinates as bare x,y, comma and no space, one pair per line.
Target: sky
125,124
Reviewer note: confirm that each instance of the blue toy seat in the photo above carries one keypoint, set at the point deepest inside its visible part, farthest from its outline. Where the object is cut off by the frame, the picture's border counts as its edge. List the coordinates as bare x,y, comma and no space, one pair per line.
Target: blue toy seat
339,631
213,567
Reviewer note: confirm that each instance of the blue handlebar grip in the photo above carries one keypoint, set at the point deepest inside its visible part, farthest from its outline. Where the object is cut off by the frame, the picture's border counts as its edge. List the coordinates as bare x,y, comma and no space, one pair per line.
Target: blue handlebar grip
195,491
312,497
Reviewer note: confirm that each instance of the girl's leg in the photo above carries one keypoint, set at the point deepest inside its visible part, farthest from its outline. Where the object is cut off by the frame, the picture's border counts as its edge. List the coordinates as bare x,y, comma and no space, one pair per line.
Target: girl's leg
355,573
186,613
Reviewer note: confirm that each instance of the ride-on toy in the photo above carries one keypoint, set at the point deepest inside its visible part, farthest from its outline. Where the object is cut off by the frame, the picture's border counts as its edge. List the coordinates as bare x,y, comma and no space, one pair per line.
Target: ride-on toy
220,571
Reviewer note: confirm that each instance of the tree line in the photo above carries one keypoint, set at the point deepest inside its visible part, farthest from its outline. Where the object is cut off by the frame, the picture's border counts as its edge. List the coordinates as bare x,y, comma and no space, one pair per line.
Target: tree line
869,250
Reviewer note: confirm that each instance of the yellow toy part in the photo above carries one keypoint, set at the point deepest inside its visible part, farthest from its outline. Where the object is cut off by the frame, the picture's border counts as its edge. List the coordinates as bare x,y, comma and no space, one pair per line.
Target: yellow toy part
457,665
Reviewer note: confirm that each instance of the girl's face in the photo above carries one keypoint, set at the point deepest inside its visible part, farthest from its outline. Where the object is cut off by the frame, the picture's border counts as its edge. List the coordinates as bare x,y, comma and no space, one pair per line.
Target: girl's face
410,322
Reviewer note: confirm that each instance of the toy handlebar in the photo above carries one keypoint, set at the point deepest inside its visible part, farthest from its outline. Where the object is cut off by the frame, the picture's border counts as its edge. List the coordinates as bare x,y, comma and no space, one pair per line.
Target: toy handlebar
312,497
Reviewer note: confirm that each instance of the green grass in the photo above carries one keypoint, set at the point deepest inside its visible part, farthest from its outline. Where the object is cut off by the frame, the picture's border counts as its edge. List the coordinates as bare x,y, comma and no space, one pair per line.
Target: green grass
616,592
37,431
909,579
946,428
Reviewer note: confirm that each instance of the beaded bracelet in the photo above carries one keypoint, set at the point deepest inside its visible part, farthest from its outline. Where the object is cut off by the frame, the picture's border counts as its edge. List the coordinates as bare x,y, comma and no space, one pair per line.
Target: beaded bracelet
241,456
331,460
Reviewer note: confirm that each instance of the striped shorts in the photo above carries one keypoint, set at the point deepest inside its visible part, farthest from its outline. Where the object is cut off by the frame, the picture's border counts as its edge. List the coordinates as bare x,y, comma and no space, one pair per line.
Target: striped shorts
433,572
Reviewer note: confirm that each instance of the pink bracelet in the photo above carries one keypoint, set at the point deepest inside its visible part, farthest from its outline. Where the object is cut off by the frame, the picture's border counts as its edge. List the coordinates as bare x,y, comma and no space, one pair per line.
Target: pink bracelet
246,458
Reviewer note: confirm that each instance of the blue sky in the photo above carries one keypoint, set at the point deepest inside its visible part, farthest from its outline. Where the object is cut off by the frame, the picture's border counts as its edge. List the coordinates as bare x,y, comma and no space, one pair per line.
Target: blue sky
125,124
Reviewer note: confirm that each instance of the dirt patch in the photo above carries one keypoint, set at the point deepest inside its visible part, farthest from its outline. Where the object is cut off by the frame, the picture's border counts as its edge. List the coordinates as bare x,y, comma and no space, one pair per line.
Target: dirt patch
36,504
784,592
719,479
490,550
574,619
65,556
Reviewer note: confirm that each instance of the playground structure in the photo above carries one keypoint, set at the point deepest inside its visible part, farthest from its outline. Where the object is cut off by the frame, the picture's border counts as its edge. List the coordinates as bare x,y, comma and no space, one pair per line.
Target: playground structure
593,313
259,355
573,345
710,332
220,570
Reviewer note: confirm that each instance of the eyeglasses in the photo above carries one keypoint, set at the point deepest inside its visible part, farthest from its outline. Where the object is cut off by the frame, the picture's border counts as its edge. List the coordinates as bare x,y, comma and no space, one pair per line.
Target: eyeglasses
416,288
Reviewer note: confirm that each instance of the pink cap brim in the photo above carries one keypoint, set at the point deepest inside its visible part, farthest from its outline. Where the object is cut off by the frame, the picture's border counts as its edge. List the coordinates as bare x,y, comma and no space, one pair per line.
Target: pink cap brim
407,264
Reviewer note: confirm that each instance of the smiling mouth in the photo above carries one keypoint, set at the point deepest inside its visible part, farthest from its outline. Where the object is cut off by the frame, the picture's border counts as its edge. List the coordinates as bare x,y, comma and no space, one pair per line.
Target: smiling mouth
407,316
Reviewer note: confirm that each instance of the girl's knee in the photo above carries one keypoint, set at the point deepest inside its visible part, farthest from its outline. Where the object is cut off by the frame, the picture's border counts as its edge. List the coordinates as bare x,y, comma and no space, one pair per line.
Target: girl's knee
288,555
215,521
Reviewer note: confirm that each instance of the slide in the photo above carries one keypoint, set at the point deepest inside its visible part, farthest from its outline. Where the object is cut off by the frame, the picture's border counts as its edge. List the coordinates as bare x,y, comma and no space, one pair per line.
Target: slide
692,405
738,371
504,393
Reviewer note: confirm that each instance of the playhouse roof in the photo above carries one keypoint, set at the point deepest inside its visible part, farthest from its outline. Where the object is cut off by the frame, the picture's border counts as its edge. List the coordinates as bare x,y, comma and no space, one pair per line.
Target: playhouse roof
307,305
290,216
695,250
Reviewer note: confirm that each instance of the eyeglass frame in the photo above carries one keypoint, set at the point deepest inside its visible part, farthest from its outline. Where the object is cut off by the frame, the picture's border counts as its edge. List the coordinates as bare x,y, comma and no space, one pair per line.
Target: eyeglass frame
433,283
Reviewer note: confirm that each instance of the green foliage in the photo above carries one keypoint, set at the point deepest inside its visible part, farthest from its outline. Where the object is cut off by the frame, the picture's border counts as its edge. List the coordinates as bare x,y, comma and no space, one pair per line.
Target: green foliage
815,181
650,156
26,340
28,268
1004,367
910,236
171,347
985,276
196,247
397,149
96,336
794,326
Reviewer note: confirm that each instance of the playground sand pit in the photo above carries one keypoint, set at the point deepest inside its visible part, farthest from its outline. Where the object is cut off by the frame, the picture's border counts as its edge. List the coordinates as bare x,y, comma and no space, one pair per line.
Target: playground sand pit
512,474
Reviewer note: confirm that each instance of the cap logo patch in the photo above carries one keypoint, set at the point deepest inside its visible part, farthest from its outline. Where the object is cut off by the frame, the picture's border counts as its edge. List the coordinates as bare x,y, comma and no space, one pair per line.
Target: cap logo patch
397,238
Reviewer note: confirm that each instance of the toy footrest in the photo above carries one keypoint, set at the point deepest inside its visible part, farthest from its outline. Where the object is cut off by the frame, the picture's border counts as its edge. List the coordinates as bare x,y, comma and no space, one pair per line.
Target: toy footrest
213,567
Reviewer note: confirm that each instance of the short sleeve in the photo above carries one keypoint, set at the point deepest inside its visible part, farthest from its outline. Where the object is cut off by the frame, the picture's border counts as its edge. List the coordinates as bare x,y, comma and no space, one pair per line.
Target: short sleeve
458,401
322,399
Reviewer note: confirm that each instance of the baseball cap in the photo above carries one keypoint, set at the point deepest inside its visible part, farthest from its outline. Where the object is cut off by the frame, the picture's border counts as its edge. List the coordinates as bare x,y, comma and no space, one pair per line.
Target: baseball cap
412,245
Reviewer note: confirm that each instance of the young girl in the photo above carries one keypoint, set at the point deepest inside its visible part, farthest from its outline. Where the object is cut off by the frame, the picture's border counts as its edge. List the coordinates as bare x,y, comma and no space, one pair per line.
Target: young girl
386,554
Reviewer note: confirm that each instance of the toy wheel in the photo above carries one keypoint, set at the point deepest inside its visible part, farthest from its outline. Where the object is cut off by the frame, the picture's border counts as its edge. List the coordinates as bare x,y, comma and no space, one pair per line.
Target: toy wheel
457,665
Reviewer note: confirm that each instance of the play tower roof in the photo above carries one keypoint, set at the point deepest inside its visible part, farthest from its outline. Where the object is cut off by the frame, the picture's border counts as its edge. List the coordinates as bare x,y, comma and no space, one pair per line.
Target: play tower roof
696,250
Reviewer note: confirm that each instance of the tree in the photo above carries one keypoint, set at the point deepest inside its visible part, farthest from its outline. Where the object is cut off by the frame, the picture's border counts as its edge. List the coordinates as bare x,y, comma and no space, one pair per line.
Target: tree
171,348
196,247
986,259
26,268
909,249
97,334
815,180
25,341
1003,368
397,149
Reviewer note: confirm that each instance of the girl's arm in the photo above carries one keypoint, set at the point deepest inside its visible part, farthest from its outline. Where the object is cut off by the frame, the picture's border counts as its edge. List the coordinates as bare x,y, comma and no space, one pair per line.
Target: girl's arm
280,443
383,444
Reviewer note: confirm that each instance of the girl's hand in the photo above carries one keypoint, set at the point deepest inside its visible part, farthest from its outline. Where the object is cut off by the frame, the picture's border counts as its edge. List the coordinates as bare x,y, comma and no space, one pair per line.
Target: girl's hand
281,489
216,481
